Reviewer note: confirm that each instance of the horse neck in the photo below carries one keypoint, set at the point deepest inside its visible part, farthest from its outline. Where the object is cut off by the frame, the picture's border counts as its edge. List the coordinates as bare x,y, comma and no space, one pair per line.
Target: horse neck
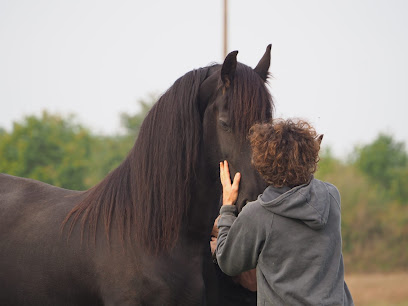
204,205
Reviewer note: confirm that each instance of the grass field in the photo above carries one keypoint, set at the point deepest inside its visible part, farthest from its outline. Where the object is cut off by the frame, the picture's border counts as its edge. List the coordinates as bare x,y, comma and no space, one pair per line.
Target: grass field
379,289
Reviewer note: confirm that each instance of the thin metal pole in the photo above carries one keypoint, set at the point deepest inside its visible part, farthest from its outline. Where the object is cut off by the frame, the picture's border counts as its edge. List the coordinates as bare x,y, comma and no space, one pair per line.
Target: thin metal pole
225,28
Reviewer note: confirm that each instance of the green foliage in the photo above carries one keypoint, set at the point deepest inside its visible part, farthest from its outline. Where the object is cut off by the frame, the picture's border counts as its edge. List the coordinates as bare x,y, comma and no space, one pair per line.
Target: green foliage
327,163
50,149
58,151
381,158
385,163
373,184
132,123
374,224
107,153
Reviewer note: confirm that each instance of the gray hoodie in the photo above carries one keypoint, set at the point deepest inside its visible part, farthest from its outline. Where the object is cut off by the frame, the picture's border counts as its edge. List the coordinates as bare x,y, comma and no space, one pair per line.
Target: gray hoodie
293,238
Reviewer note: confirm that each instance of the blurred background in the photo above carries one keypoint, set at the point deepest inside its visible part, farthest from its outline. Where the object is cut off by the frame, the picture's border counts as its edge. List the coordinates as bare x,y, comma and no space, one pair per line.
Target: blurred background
78,77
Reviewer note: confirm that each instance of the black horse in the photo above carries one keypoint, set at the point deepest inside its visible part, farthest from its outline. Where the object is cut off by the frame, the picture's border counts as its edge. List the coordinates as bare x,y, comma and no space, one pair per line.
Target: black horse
140,236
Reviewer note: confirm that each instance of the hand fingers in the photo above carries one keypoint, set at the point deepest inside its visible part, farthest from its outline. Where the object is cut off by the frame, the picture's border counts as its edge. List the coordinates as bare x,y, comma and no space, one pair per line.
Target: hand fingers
223,177
224,174
236,181
213,245
226,169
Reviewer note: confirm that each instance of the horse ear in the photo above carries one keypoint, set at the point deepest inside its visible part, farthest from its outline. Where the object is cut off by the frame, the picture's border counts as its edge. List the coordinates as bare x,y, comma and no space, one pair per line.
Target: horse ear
263,65
228,68
320,138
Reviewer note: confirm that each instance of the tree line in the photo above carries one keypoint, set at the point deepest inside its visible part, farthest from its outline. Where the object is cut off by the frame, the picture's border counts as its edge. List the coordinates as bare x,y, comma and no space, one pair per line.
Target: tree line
372,181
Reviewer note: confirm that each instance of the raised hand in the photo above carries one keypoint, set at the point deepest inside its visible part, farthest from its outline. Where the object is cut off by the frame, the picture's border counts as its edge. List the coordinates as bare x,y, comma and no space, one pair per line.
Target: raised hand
229,191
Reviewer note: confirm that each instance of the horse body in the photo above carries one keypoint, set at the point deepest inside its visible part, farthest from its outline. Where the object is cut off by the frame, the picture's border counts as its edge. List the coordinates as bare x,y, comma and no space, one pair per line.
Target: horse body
38,267
35,263
141,236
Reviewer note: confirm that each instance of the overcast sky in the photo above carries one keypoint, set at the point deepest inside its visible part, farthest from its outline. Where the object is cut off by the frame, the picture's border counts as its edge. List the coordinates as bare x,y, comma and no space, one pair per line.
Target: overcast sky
343,65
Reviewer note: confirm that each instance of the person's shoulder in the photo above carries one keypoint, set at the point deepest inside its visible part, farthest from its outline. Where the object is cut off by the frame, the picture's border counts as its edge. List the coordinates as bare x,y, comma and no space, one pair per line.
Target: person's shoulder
252,205
332,190
253,208
329,186
256,215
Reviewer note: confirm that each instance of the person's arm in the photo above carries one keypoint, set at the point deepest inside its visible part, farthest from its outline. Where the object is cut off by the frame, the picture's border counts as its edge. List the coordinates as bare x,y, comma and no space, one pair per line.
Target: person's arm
240,239
247,280
214,236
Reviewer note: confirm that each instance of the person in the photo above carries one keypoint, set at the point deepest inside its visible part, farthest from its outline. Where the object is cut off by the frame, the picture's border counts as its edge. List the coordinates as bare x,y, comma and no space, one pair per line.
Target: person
292,233
236,290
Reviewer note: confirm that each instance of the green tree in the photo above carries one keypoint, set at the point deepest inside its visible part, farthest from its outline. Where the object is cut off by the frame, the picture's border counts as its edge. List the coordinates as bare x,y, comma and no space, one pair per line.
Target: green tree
49,148
374,226
132,123
385,163
327,163
109,151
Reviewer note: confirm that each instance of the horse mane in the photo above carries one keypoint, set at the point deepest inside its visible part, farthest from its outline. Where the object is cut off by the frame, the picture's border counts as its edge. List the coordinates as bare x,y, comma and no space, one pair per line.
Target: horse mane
147,196
249,101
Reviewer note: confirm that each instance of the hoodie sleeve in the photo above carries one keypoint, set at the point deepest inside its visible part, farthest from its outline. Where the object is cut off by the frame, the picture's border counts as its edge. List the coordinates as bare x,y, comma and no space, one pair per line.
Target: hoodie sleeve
240,239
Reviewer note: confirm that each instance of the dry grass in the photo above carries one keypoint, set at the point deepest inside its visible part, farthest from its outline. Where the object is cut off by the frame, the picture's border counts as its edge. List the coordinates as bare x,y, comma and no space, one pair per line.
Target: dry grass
379,289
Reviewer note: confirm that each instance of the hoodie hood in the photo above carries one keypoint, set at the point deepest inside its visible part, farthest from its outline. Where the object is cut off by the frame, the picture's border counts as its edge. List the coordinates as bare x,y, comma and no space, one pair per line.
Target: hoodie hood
308,203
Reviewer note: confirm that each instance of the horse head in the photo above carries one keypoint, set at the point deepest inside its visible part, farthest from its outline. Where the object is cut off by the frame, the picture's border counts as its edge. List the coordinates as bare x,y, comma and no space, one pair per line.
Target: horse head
156,194
232,98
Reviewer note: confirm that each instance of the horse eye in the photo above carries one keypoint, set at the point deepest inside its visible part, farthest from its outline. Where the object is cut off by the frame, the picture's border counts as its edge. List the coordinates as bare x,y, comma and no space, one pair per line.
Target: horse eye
224,126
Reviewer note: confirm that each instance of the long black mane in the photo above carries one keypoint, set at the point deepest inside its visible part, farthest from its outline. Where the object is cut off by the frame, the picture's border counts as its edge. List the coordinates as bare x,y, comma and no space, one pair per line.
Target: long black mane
146,197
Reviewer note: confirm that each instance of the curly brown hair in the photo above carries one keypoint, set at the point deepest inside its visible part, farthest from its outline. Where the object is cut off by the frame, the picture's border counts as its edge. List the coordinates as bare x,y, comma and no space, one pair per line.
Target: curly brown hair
285,152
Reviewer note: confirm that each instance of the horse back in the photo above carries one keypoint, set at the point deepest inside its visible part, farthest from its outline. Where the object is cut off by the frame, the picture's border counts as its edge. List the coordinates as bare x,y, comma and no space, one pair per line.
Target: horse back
36,261
41,265
26,200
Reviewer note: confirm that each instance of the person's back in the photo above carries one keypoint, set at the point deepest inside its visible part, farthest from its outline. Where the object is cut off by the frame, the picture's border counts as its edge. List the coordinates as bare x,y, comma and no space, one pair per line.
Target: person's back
291,234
